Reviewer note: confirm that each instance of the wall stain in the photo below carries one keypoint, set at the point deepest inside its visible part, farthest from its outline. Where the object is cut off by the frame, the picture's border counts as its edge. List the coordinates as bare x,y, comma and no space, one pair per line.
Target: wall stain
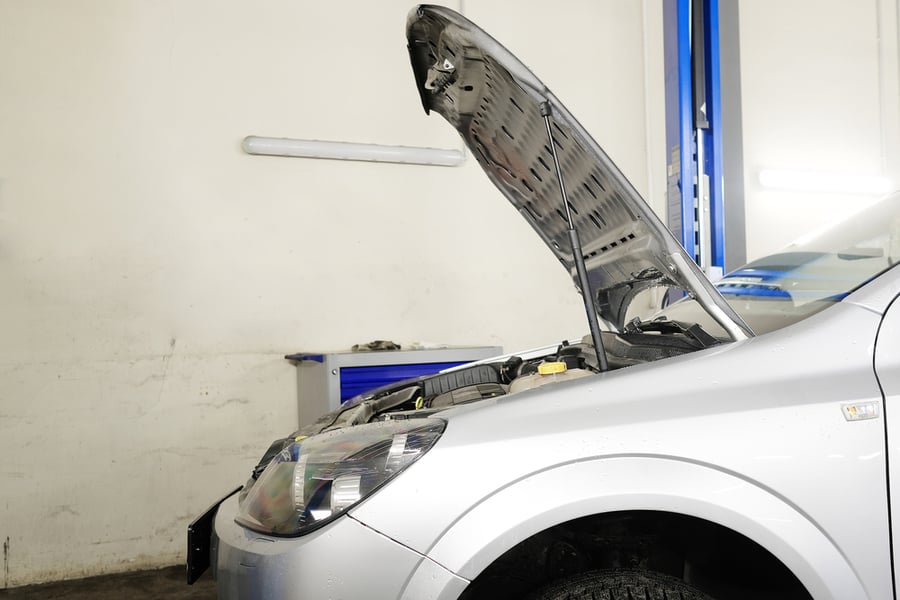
64,509
117,541
6,563
227,402
224,403
165,372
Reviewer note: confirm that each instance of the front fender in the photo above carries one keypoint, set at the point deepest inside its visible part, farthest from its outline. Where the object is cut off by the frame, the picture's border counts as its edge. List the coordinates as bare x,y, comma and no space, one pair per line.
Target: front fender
641,482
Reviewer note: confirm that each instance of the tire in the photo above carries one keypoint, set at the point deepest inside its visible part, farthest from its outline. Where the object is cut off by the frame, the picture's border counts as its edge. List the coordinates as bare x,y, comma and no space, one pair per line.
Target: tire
619,584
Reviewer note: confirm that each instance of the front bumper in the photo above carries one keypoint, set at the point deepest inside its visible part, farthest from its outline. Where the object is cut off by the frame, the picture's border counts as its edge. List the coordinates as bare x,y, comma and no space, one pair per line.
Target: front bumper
344,560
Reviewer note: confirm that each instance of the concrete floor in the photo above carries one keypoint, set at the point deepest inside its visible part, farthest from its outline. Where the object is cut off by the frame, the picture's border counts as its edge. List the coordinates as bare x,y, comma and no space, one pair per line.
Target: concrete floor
141,585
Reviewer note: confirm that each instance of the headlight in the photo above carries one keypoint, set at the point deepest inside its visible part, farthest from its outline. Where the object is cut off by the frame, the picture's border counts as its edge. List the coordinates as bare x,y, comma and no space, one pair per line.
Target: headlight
315,479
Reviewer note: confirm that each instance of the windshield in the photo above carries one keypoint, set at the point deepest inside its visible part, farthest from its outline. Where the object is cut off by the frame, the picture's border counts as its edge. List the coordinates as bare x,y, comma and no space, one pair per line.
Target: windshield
812,273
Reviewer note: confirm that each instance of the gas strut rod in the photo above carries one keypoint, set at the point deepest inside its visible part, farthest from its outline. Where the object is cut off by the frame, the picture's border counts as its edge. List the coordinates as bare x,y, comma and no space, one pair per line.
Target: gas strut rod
586,294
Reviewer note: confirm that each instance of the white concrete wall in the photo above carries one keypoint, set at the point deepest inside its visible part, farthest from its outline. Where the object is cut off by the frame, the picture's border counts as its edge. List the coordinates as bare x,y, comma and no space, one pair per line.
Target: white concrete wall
820,93
152,275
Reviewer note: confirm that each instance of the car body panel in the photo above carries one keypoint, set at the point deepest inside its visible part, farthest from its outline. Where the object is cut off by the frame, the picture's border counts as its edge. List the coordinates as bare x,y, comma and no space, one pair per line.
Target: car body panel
887,367
706,448
496,105
334,562
431,581
766,426
655,483
876,295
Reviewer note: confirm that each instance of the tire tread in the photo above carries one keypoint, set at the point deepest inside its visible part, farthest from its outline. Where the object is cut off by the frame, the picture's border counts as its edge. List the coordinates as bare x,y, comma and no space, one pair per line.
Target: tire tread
620,584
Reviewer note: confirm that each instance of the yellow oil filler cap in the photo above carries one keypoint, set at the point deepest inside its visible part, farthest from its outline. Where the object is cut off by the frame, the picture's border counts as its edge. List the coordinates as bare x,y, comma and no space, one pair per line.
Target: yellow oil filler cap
551,368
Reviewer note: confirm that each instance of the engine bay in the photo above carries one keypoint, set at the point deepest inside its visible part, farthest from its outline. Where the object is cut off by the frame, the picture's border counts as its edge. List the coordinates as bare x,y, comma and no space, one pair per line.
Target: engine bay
640,342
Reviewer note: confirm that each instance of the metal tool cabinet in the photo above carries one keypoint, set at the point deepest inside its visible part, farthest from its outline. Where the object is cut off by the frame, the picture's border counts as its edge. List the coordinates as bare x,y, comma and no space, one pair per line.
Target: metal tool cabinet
325,380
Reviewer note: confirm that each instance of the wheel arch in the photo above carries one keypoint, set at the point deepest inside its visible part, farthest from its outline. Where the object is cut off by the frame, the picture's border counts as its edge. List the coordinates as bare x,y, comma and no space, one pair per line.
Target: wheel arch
628,483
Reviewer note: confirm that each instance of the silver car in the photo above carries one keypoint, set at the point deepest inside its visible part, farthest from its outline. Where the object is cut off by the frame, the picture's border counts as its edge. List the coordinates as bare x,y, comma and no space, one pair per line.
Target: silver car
670,453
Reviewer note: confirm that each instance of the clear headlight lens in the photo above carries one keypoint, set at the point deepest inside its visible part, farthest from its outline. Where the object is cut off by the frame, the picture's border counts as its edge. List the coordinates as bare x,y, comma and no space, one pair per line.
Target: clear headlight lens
315,479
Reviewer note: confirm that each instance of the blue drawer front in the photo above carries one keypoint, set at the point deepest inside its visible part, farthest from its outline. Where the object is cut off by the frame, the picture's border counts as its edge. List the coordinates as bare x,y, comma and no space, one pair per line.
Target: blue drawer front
356,380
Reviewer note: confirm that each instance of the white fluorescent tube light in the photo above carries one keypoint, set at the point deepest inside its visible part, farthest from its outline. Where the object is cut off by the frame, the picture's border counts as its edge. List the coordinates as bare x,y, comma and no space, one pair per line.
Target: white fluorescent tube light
812,181
268,146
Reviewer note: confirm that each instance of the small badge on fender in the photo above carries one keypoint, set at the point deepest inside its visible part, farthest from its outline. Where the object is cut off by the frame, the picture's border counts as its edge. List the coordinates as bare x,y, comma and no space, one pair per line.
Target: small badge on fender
860,411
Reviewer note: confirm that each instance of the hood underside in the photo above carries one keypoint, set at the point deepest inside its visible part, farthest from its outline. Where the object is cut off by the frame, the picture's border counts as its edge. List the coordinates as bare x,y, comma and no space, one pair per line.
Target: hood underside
498,106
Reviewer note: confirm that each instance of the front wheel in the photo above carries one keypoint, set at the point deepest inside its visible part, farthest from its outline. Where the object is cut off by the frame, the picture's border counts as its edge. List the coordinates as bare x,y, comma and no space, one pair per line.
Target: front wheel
619,584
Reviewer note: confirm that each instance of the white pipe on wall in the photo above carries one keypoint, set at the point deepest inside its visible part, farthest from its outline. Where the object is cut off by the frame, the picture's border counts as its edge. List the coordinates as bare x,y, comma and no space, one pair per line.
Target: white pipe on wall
267,146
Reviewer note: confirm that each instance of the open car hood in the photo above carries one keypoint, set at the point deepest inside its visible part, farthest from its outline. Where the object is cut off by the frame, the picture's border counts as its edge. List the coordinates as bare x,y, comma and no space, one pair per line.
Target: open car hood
496,104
